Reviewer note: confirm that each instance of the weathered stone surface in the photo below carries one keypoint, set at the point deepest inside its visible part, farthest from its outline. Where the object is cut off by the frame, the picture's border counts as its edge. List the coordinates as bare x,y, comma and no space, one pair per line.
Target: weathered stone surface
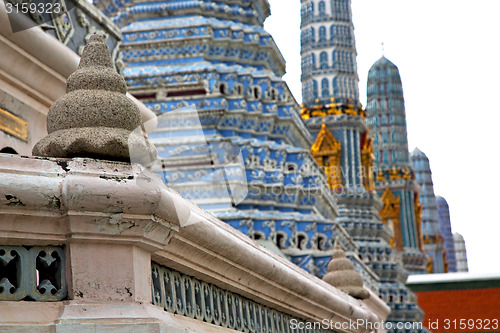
96,53
95,118
97,78
341,274
106,143
95,108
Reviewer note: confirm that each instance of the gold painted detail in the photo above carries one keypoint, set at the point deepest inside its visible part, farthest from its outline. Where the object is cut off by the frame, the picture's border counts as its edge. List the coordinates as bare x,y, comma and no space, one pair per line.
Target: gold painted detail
407,174
367,160
390,217
418,221
326,151
13,125
445,263
395,173
433,239
333,108
430,265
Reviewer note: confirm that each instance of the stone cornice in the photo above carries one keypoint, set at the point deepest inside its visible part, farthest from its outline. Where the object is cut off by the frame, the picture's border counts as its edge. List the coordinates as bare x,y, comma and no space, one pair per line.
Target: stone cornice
84,200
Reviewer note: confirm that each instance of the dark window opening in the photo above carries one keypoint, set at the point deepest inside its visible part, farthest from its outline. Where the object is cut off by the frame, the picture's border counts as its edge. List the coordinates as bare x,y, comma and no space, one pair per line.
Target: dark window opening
192,92
8,150
300,241
280,239
320,241
273,94
257,236
222,89
145,96
256,93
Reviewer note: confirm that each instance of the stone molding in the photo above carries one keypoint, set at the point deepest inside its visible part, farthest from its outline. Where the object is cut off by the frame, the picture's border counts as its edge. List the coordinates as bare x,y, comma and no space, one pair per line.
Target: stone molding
61,193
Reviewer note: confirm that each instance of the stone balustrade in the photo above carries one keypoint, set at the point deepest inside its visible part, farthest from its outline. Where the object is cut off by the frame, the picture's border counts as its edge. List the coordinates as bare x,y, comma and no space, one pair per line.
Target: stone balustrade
108,225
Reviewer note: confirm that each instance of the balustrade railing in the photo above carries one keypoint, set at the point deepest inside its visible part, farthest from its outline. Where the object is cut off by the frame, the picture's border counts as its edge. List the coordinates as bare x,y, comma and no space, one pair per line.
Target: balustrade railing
32,273
187,296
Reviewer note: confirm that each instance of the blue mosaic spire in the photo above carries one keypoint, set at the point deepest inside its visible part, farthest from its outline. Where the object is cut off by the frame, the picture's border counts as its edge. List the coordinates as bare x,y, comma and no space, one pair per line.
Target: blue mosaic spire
393,173
230,137
328,52
433,239
386,115
445,226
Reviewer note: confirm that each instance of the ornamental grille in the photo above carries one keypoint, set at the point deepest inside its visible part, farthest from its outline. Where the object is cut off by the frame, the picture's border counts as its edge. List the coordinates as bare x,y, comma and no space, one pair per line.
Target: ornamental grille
187,296
32,274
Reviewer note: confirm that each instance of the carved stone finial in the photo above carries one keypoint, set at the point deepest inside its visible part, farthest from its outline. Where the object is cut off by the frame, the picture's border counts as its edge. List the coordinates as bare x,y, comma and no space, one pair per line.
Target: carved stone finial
95,118
341,274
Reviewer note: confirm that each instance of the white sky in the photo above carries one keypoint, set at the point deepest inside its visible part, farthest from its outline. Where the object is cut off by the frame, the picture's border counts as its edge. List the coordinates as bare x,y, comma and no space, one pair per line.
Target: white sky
448,55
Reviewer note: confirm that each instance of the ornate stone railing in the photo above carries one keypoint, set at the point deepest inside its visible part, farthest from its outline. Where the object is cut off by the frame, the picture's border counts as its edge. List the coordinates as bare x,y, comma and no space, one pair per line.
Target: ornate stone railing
187,296
36,273
125,211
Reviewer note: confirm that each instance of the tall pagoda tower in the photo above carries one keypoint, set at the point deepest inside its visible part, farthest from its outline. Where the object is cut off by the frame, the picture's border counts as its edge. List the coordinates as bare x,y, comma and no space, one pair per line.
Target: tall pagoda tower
433,239
328,52
394,176
460,253
229,133
332,111
445,226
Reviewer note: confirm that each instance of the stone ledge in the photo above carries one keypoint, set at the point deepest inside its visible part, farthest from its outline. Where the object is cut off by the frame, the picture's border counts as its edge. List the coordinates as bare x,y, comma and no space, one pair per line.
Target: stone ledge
77,316
84,200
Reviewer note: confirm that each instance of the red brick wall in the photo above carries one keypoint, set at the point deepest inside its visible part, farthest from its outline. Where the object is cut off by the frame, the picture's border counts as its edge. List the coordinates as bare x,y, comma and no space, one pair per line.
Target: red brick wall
468,310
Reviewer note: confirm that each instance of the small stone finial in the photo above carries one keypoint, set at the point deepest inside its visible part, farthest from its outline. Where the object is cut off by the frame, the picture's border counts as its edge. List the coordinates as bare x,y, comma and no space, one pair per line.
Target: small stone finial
341,274
95,118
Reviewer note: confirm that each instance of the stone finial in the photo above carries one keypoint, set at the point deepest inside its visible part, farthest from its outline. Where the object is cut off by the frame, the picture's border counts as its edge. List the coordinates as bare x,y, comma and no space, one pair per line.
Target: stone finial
95,118
341,274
